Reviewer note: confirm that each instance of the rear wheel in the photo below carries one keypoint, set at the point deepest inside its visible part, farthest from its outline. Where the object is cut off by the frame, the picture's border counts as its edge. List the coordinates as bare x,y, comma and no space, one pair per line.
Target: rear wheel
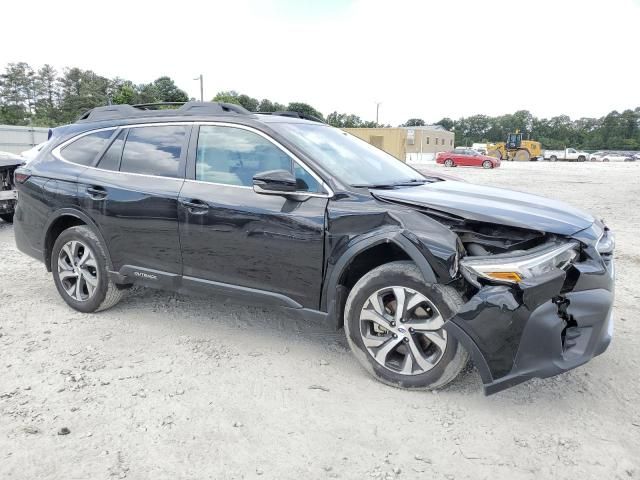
449,163
495,154
394,325
79,266
7,217
553,158
487,164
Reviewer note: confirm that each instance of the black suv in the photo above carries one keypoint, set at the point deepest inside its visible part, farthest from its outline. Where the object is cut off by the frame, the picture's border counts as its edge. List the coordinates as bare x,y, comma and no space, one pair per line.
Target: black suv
283,210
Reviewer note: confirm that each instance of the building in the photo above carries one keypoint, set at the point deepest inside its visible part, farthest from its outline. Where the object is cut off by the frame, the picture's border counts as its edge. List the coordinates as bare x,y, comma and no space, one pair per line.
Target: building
408,143
16,139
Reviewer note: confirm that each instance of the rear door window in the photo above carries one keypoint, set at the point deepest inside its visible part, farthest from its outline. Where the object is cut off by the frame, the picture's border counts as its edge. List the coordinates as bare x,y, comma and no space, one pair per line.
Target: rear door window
154,150
84,150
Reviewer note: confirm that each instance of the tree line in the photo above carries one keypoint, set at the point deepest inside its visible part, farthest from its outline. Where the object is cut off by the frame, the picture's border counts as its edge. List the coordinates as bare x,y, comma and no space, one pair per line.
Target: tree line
335,119
614,131
45,97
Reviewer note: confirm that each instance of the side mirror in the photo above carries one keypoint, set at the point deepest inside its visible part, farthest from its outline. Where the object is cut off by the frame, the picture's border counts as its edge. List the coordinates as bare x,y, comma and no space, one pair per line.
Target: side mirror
274,182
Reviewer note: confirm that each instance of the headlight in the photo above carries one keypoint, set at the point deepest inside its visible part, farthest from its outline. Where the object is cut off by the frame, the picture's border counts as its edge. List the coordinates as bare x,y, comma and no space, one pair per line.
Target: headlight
606,243
515,268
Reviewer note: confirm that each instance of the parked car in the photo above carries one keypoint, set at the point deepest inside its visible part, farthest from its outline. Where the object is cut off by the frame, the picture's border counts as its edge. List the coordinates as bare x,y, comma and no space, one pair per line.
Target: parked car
286,211
611,157
30,154
568,154
466,157
8,164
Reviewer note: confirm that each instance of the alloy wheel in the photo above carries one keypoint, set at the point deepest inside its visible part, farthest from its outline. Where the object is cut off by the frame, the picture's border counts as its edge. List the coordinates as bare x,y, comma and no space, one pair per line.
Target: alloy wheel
402,330
78,270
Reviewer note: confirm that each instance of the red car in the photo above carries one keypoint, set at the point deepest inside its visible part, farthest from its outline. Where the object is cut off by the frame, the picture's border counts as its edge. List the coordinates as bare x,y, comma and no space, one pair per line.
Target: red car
466,157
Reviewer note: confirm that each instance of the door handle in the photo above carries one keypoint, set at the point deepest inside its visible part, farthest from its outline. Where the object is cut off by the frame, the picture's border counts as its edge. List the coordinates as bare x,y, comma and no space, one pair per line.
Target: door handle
97,193
197,207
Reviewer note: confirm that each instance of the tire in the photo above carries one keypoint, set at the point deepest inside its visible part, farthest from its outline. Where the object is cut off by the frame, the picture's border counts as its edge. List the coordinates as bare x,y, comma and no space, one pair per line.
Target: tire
449,163
7,217
581,158
67,261
553,158
487,164
495,154
448,357
522,156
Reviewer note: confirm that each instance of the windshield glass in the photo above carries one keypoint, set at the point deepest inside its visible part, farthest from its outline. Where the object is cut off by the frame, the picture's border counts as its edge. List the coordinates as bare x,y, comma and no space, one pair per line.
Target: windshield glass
346,157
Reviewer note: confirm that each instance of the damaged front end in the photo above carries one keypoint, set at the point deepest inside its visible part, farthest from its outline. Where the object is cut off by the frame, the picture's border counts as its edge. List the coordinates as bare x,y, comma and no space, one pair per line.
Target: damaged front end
8,196
538,304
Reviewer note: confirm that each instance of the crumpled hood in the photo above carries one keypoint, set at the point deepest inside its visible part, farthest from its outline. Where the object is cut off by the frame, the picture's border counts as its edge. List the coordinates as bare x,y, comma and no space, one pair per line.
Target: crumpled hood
494,205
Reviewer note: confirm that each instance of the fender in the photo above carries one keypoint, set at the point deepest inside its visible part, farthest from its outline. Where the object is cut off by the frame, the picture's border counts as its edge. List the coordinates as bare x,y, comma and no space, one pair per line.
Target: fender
332,293
79,214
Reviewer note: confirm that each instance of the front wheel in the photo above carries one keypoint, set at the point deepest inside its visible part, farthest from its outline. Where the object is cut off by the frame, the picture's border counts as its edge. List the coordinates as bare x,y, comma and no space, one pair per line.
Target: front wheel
487,164
7,217
448,163
79,266
394,325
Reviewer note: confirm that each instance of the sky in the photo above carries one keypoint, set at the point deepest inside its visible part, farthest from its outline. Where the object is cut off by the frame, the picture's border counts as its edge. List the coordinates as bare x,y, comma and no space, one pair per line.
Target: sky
426,59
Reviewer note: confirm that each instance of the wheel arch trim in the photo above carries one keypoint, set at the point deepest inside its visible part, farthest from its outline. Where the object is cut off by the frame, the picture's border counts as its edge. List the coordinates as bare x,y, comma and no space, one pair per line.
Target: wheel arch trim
330,291
80,215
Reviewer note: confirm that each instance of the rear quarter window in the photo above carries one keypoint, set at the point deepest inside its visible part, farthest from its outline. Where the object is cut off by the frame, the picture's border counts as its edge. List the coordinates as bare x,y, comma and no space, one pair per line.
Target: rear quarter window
84,150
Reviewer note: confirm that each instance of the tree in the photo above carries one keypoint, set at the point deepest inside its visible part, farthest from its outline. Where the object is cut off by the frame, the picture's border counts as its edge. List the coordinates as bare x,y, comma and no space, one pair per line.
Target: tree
81,90
414,122
268,106
231,96
446,123
305,109
168,91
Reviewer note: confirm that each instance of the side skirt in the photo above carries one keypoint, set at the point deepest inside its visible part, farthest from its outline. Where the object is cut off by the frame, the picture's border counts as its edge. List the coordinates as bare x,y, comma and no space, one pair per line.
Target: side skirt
132,275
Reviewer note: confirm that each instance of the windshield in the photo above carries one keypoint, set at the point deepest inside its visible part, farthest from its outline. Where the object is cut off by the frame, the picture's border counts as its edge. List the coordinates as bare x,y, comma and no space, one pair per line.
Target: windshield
346,157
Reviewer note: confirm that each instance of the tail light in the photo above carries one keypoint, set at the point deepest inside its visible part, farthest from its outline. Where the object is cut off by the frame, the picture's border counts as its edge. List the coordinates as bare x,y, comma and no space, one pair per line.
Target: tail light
21,176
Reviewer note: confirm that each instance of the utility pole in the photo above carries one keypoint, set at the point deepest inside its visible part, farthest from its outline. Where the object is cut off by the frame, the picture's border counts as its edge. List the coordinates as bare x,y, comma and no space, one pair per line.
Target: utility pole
201,88
377,111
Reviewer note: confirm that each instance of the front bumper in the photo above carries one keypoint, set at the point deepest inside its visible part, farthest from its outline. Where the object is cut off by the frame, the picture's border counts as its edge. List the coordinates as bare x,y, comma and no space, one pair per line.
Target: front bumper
541,327
8,200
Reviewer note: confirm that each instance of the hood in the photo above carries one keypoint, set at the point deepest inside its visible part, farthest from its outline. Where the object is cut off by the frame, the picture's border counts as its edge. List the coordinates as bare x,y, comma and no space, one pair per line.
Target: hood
10,160
493,205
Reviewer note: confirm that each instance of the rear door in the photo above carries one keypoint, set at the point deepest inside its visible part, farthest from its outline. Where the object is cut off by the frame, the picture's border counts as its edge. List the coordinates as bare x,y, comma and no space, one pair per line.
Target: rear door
459,157
132,194
473,159
235,236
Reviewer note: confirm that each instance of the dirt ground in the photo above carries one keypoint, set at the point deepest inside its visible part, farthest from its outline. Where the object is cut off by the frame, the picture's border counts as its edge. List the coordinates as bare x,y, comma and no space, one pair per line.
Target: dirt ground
165,386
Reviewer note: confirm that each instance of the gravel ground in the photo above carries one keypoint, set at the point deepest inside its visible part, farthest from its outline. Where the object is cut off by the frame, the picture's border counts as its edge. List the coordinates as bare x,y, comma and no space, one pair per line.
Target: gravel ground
167,386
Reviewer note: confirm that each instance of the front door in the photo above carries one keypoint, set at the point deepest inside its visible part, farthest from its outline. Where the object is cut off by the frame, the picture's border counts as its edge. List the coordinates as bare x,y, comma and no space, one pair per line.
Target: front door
229,234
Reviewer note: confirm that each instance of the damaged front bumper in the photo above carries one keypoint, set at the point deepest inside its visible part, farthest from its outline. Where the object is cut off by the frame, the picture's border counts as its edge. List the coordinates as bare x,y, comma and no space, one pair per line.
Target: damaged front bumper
541,326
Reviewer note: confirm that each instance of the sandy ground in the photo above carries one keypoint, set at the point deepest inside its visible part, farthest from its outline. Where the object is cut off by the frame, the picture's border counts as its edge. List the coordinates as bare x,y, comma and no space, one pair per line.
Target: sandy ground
165,386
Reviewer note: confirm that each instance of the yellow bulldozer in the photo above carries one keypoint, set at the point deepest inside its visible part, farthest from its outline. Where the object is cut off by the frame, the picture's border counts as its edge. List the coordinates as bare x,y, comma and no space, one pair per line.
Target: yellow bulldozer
515,148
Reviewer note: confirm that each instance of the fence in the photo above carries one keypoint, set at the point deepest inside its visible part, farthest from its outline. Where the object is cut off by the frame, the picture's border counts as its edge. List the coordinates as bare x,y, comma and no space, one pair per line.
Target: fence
15,139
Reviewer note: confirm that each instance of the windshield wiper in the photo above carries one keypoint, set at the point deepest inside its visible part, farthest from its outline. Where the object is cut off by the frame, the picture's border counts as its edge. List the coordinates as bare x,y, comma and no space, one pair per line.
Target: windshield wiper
405,183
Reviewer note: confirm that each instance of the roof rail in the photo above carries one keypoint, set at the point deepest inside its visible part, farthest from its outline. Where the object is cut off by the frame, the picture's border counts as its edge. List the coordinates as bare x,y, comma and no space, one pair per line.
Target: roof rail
112,112
149,106
291,113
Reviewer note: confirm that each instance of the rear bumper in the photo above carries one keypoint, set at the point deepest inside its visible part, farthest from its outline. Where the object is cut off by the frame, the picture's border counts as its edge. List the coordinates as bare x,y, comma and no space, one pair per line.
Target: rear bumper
541,328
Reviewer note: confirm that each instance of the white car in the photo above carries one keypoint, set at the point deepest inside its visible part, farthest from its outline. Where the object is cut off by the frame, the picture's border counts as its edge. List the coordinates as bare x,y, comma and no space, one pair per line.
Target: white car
605,156
30,154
